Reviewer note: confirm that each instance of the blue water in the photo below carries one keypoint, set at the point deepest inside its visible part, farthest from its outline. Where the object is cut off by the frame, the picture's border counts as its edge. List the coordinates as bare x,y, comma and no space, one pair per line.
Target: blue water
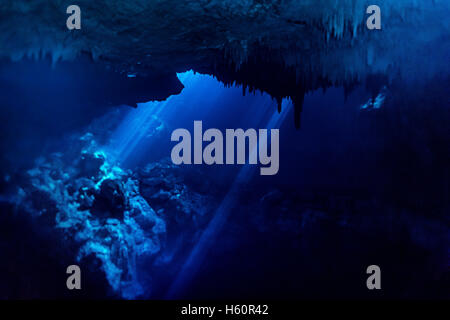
337,178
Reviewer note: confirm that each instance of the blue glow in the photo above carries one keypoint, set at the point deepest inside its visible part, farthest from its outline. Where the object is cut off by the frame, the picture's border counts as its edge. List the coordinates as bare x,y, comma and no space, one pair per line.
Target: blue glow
207,238
149,126
203,97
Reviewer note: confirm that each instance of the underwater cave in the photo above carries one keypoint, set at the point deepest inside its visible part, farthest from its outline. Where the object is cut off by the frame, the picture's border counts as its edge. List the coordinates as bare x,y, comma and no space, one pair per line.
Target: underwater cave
87,179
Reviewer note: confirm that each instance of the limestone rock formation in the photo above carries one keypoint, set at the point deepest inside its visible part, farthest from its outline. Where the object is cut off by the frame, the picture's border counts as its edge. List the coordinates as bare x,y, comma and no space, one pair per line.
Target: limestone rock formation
283,47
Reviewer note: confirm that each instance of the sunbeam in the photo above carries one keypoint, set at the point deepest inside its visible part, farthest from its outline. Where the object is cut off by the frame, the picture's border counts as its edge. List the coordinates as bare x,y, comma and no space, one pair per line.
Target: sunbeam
206,241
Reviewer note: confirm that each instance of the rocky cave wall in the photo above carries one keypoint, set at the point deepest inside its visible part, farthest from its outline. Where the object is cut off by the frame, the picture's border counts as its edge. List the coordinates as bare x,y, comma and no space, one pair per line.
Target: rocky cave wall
292,46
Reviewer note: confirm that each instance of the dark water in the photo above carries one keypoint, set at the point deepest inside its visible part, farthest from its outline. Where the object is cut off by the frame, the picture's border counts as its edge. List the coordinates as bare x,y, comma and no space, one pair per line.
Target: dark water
356,187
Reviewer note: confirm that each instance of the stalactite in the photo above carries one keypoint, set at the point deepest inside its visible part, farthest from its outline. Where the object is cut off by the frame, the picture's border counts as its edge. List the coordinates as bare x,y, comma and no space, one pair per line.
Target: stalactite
297,101
279,103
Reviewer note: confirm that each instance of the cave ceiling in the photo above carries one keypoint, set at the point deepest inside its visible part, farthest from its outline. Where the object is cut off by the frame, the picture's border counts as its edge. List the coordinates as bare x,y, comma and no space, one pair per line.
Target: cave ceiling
283,47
